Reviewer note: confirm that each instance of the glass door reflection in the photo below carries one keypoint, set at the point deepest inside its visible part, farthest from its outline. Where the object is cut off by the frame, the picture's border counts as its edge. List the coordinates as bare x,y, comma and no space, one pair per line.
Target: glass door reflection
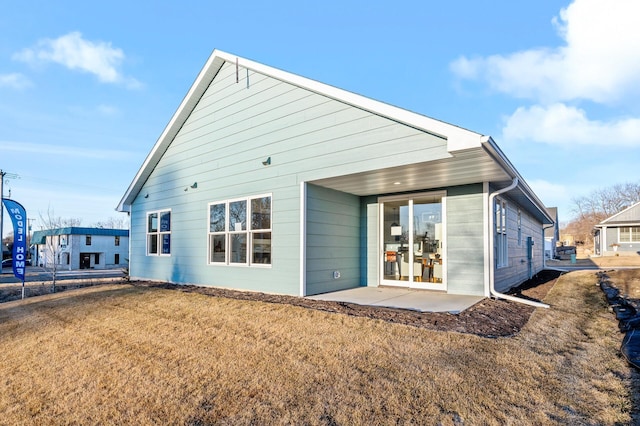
412,241
395,240
427,240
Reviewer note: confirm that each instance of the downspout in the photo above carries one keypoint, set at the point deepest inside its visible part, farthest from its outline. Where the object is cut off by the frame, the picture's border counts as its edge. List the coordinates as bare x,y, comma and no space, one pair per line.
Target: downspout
544,258
492,260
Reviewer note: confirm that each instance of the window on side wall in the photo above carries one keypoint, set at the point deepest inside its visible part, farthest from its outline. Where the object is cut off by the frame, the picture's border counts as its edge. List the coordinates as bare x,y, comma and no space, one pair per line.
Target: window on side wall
159,233
240,231
630,234
501,246
519,227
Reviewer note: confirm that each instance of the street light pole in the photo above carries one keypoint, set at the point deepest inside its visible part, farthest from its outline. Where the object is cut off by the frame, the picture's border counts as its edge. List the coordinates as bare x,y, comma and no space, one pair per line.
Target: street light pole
2,176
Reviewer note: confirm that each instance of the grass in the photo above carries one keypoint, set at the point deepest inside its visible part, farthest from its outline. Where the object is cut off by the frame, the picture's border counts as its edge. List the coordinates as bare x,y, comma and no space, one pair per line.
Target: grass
119,354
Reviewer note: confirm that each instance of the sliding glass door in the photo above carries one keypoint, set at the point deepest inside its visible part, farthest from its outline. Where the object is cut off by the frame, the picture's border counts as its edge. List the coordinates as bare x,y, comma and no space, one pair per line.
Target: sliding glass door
412,234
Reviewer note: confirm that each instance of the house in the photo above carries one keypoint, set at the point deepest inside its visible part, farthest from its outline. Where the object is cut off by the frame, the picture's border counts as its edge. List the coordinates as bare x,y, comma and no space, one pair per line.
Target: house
81,248
618,234
551,234
264,180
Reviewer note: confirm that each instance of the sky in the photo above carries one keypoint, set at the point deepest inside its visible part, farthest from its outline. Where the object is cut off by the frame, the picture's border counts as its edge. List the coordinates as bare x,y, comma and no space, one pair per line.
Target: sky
86,88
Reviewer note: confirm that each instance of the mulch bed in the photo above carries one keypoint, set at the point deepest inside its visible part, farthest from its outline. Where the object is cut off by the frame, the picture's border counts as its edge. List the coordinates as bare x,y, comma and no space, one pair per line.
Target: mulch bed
488,318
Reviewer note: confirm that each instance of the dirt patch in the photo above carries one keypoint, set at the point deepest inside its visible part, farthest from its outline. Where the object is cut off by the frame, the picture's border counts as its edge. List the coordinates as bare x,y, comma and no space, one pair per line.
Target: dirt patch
488,318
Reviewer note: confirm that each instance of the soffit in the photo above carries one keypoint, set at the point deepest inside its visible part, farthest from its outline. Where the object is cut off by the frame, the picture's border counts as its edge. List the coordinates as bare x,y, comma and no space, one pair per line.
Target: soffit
471,166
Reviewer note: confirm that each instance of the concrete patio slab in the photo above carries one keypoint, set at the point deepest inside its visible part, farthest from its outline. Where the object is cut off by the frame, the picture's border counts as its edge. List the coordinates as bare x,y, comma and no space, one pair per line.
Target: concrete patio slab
402,298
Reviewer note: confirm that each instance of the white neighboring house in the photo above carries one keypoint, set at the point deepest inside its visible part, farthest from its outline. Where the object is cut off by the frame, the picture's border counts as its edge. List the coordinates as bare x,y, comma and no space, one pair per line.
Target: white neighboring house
81,248
551,234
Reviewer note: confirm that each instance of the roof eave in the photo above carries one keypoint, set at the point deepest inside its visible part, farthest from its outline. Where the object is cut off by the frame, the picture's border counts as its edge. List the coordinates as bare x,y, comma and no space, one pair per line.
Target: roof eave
610,218
492,148
458,139
189,102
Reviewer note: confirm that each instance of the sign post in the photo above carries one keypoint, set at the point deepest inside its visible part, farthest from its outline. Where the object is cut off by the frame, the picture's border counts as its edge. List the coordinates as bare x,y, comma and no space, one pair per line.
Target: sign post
18,216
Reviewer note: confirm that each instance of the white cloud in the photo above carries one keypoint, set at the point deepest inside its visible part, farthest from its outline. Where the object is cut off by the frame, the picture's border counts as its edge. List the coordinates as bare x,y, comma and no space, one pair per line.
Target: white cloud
14,81
599,59
76,53
564,125
108,110
64,151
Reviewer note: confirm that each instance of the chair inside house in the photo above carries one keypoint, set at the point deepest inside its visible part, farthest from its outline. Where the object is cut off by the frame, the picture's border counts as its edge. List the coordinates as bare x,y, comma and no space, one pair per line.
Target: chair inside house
404,266
431,268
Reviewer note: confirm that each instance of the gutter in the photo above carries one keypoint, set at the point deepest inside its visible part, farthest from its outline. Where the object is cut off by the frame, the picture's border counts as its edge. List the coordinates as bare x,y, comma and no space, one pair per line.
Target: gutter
494,151
492,260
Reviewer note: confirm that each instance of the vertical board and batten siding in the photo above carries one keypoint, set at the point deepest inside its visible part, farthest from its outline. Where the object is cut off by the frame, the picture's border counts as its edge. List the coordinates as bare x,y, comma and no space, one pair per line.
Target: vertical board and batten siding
632,214
465,240
517,270
333,240
222,145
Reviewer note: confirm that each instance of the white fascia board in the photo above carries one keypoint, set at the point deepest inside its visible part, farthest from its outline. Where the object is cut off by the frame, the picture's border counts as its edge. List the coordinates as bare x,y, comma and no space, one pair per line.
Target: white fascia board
458,139
609,219
492,148
187,105
616,225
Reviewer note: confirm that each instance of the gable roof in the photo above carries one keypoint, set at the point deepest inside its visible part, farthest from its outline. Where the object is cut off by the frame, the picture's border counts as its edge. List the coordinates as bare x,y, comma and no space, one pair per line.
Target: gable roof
627,216
459,140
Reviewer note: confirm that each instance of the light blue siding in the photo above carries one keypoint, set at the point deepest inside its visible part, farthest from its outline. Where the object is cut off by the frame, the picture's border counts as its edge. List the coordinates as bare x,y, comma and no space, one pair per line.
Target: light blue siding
222,145
333,240
465,240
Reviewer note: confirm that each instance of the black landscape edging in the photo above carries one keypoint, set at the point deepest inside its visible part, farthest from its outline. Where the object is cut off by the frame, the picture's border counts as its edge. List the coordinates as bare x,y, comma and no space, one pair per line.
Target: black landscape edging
628,316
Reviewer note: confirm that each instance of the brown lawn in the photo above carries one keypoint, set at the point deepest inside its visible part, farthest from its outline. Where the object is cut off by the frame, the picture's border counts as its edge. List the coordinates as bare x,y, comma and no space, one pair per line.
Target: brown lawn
122,354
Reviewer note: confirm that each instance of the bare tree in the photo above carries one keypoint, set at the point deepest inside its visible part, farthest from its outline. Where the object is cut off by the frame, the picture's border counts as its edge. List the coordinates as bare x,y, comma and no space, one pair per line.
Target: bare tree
70,221
113,223
54,244
607,201
599,205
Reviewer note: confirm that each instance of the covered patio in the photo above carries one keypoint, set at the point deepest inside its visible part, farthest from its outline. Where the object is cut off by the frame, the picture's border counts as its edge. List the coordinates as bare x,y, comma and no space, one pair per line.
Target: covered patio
402,298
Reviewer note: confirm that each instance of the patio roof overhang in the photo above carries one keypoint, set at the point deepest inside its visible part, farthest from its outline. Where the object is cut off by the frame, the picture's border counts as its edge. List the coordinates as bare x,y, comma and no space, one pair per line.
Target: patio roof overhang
485,163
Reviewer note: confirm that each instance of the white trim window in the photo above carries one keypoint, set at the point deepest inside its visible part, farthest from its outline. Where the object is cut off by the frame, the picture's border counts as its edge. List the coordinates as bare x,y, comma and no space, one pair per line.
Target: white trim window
500,210
159,233
240,231
629,234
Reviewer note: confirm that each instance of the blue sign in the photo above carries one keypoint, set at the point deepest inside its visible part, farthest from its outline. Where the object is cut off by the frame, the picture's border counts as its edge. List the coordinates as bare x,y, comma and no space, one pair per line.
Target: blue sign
19,218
